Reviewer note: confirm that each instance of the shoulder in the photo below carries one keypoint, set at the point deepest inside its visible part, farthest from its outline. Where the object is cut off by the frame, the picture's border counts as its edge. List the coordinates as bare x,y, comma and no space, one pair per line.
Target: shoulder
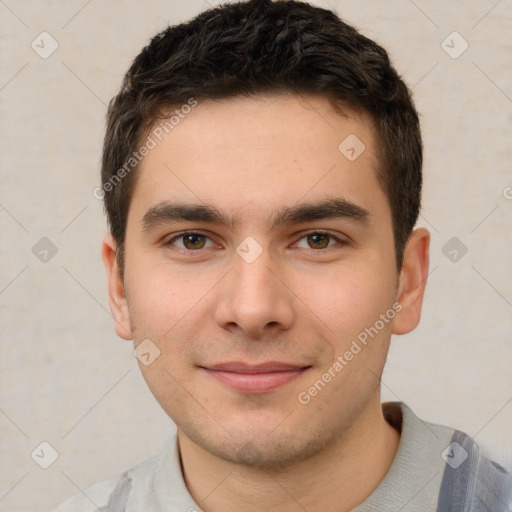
112,494
467,477
473,480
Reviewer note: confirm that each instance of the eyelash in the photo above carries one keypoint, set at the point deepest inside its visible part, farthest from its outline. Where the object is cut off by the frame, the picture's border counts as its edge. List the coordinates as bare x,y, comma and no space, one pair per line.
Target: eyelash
304,235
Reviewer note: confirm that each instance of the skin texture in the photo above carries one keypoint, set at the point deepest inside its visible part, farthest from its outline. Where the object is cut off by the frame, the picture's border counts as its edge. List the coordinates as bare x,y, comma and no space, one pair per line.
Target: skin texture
302,301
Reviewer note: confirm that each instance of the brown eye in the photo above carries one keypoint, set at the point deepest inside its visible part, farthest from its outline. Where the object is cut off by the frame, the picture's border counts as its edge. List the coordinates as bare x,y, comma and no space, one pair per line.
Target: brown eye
319,240
190,241
193,241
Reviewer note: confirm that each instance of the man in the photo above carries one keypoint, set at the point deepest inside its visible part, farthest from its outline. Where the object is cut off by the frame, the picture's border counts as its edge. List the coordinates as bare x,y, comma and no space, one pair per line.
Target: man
262,180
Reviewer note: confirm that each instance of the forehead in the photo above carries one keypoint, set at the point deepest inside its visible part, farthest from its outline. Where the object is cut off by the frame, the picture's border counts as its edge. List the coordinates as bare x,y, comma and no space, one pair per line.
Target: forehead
249,153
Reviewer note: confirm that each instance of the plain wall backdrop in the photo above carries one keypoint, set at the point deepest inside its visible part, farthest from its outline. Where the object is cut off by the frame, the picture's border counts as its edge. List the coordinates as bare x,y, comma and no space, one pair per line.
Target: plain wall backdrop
68,380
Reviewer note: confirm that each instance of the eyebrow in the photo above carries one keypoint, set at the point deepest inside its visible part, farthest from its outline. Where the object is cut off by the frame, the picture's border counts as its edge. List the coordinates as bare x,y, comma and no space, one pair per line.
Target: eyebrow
166,212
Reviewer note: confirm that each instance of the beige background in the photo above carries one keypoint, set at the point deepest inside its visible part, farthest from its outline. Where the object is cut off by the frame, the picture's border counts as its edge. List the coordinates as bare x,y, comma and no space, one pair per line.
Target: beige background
65,376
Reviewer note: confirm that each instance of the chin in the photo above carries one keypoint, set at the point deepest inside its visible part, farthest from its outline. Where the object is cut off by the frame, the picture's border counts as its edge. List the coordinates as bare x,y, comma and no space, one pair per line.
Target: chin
261,450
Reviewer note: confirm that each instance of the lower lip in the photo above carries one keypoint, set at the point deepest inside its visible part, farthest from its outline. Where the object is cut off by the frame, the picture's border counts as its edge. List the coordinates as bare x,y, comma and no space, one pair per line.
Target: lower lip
255,382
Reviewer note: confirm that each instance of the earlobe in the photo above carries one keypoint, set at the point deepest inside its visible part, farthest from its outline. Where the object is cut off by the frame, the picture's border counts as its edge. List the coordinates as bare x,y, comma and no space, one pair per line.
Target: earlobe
116,291
412,281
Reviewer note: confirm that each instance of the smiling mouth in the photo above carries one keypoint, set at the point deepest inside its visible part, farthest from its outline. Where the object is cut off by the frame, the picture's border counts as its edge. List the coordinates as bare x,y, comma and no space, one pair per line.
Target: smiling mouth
260,378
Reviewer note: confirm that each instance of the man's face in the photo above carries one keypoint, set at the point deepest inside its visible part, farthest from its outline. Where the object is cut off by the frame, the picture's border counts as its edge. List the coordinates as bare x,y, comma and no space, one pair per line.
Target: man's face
248,317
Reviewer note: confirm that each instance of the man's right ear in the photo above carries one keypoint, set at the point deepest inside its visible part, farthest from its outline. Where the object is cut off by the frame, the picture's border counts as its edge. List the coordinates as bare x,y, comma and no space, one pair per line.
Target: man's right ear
116,293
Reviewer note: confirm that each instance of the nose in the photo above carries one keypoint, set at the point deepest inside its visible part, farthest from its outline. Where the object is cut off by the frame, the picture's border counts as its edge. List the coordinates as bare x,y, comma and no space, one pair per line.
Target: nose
255,298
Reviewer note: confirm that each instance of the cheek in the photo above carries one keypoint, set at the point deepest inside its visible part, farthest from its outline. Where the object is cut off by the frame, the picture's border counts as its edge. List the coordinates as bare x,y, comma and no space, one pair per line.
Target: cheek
160,297
151,300
346,299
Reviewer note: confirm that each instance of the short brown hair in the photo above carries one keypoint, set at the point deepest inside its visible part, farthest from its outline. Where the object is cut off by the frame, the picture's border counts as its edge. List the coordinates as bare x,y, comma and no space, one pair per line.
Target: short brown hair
260,46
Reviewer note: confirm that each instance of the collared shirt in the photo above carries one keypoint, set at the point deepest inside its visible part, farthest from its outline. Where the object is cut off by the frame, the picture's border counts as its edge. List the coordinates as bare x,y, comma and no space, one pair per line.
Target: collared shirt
436,468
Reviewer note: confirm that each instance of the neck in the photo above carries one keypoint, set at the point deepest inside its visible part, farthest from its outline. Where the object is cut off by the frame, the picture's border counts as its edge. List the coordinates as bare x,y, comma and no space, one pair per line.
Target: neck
338,478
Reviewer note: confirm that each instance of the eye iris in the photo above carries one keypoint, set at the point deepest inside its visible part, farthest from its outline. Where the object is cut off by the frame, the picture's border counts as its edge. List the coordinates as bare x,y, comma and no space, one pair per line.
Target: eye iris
315,237
188,238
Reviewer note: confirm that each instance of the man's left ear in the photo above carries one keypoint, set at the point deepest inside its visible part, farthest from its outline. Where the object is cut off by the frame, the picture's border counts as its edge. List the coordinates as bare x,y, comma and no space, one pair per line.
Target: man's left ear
412,281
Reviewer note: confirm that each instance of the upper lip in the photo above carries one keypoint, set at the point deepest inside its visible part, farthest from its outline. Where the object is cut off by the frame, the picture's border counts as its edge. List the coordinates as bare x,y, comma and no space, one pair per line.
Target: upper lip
267,367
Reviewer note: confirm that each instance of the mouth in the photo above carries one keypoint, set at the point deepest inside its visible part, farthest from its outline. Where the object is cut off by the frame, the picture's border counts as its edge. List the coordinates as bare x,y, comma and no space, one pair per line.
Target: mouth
259,378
